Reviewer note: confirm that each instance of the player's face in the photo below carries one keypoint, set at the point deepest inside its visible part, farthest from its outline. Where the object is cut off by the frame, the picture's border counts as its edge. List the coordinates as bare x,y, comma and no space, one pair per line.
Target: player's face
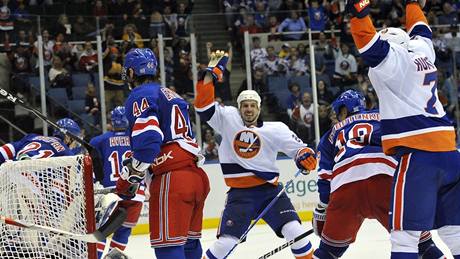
249,112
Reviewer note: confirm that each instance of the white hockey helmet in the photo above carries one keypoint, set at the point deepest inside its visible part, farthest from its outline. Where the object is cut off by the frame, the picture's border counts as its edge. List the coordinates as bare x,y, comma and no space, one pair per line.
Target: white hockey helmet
395,35
248,95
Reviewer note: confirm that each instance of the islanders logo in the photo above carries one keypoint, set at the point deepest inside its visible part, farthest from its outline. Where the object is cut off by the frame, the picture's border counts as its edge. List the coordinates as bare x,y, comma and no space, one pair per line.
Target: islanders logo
246,144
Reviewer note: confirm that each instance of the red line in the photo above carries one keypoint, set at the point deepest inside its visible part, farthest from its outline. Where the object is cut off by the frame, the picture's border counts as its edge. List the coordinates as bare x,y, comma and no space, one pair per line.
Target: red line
398,199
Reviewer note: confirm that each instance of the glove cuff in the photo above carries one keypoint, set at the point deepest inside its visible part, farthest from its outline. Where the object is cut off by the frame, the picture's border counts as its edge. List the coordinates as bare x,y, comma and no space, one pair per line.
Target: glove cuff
139,166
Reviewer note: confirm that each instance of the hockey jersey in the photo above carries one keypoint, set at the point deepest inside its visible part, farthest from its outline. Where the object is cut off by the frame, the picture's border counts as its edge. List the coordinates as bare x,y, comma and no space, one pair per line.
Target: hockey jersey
351,151
34,146
158,116
114,147
247,155
405,82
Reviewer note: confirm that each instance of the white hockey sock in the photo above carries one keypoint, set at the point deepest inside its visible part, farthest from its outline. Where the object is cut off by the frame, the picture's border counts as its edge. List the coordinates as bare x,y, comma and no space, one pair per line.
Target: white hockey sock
292,230
221,247
404,241
450,235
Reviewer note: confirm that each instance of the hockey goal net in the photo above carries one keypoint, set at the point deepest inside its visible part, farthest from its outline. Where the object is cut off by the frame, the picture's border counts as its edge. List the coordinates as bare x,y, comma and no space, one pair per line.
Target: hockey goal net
54,192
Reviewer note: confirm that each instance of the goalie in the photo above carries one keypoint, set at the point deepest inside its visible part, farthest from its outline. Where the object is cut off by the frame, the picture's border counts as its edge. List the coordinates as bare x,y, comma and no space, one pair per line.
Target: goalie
114,147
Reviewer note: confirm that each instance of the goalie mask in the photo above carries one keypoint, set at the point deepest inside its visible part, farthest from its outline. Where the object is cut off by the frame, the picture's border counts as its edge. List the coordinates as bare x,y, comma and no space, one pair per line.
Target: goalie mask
395,35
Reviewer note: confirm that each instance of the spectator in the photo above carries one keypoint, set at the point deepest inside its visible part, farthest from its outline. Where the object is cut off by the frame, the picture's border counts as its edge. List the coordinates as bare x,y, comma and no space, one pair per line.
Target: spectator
296,66
231,7
449,15
157,25
324,119
171,21
81,28
62,26
131,36
324,95
48,45
293,24
183,17
285,50
88,58
261,13
272,64
22,17
302,51
320,63
6,20
345,68
302,116
113,84
99,9
258,53
92,106
272,28
259,83
294,98
210,146
20,60
317,16
59,77
64,50
223,89
183,74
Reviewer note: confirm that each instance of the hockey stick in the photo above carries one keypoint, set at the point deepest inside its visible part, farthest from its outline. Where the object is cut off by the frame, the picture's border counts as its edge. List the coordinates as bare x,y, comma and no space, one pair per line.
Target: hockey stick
264,211
105,190
289,243
92,151
112,224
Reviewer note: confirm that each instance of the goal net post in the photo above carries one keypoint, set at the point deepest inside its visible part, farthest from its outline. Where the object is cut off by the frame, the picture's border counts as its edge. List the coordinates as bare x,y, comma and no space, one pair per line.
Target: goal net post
54,192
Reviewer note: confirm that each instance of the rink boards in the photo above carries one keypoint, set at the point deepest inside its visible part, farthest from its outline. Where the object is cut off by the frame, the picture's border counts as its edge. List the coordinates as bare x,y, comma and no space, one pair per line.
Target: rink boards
303,194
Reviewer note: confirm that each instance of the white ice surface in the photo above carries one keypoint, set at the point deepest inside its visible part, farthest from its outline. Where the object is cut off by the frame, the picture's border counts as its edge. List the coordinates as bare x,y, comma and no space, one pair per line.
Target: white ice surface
372,242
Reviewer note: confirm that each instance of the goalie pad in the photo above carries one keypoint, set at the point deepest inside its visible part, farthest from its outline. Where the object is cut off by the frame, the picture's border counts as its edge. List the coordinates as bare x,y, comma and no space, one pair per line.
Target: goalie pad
105,207
116,253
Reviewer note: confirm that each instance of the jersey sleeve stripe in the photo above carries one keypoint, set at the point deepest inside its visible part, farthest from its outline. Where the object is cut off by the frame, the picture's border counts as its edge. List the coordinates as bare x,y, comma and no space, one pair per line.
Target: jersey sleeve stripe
145,124
363,31
421,29
372,49
414,15
8,152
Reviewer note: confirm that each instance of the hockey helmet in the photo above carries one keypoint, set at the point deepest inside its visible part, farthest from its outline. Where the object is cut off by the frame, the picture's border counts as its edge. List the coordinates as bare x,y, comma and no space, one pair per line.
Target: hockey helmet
353,101
395,35
248,95
118,117
69,125
141,61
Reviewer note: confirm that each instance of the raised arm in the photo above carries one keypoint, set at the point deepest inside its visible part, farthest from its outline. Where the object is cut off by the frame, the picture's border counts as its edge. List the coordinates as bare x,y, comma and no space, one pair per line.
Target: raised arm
416,22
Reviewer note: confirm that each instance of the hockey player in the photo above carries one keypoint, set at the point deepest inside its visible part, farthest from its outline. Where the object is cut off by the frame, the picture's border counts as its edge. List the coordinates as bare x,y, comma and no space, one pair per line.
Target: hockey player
161,138
247,156
426,186
34,146
114,147
355,178
72,126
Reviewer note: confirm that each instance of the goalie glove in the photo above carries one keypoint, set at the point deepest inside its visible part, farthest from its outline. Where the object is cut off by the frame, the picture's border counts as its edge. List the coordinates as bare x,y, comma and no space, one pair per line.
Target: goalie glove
216,65
306,160
358,8
319,218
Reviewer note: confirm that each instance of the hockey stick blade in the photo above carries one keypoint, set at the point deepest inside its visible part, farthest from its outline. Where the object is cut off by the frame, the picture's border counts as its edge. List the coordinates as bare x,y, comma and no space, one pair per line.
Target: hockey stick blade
289,243
113,223
90,238
105,190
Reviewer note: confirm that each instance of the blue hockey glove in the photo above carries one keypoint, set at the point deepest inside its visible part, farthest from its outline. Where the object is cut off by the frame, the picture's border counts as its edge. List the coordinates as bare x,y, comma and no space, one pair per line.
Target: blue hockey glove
358,8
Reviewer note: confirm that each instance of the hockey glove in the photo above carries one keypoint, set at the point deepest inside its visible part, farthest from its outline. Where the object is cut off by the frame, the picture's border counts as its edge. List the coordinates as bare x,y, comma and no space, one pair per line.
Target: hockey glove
420,2
216,65
306,160
319,218
358,8
132,174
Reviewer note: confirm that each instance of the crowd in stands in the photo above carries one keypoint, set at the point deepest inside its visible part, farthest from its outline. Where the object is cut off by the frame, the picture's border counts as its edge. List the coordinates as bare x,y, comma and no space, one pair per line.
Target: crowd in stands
69,28
280,58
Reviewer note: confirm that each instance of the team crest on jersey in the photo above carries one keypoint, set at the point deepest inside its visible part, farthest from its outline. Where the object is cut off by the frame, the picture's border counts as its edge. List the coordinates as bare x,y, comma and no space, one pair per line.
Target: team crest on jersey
246,144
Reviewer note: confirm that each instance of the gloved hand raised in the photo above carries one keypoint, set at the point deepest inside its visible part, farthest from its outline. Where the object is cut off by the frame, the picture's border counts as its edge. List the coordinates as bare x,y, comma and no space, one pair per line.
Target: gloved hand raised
216,65
358,8
306,159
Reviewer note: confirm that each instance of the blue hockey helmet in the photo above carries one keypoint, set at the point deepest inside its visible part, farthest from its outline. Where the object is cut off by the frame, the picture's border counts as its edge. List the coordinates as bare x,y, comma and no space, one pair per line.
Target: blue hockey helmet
68,124
353,101
118,117
141,61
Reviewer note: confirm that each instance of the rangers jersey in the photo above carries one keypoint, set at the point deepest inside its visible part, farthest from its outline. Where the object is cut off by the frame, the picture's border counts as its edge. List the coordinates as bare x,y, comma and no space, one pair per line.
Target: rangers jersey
351,151
34,146
405,81
158,116
247,155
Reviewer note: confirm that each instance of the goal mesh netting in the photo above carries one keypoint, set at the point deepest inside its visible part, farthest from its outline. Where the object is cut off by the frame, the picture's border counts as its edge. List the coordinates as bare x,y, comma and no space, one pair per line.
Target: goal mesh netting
54,192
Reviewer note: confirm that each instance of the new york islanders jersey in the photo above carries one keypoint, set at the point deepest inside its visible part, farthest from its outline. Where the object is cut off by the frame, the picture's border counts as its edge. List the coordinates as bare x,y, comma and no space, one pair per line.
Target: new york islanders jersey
351,151
405,81
247,155
157,116
34,146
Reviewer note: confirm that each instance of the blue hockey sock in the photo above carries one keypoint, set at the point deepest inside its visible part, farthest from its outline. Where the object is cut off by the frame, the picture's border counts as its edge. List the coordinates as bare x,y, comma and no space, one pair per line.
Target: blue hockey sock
325,251
120,238
176,252
428,249
193,249
401,255
456,256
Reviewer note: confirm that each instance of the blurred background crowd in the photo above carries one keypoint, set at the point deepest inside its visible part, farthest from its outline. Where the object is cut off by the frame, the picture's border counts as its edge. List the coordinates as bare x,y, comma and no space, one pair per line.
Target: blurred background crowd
278,59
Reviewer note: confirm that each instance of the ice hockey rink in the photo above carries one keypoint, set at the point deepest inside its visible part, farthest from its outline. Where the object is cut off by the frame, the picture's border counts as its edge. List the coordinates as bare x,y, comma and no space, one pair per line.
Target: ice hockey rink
372,242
